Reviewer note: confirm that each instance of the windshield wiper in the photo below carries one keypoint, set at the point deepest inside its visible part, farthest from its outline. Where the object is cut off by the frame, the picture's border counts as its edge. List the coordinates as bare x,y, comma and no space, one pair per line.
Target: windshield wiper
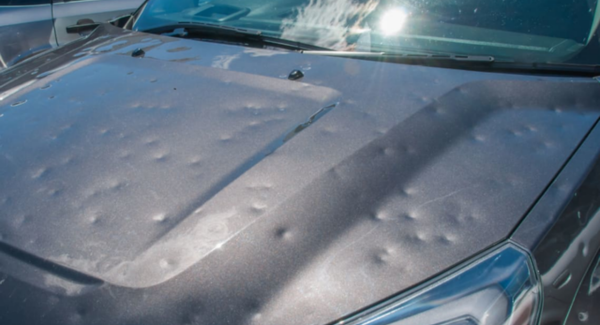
588,70
225,33
438,60
229,33
406,56
470,62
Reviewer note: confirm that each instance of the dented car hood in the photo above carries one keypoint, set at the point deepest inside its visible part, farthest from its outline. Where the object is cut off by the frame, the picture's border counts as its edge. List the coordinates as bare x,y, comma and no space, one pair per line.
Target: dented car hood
197,184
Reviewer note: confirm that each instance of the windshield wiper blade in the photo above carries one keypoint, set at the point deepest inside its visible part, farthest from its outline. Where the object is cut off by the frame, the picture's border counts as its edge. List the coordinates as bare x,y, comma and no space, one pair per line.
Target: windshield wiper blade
407,57
552,68
216,31
470,62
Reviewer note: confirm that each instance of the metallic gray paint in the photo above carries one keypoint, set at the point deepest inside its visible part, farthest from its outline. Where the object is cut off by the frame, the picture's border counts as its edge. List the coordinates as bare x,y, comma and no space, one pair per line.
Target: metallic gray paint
67,13
585,307
563,230
164,189
24,31
27,30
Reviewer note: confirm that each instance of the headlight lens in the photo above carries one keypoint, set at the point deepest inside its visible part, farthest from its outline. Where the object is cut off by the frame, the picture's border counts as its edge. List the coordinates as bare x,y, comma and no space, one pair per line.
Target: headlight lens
499,288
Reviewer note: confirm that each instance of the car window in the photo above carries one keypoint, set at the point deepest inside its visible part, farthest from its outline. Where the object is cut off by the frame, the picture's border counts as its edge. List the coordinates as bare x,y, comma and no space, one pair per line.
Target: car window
509,30
23,2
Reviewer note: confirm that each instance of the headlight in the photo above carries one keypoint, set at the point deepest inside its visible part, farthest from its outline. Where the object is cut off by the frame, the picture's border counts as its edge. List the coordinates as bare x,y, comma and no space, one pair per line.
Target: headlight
500,288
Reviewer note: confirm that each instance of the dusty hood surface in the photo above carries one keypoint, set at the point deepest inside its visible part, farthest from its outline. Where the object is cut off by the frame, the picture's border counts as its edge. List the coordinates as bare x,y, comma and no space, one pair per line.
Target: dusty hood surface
197,185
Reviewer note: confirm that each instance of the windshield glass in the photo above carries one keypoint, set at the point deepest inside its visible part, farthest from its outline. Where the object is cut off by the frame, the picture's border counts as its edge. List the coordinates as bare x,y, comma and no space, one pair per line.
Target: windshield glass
511,30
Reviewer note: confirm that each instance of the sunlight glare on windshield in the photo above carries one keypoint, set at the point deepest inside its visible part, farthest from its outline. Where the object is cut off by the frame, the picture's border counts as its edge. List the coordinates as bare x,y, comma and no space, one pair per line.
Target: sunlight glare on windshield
392,21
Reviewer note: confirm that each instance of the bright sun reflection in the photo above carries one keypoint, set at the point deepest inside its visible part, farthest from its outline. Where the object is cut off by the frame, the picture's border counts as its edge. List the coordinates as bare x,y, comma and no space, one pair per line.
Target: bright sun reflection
393,21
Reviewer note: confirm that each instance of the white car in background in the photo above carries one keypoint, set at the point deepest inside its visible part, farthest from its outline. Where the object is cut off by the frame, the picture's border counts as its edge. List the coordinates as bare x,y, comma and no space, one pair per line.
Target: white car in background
28,27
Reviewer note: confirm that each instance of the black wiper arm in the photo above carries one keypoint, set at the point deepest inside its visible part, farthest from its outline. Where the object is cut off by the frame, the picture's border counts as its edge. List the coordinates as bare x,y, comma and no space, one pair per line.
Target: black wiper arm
410,57
588,70
215,31
470,62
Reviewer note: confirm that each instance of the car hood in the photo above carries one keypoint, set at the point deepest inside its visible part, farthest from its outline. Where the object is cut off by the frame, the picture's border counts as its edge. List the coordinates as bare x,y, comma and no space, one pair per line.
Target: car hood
197,184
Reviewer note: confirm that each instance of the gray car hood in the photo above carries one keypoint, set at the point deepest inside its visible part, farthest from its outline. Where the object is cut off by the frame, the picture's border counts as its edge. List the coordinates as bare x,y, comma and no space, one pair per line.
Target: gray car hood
198,185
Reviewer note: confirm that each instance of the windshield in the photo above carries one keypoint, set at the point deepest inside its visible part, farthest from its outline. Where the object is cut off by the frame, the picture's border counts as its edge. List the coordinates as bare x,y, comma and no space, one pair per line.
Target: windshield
512,30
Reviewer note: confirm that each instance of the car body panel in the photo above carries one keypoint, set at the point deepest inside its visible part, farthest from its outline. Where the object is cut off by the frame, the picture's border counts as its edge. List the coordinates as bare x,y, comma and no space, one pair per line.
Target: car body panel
584,308
67,13
30,29
24,31
563,232
197,185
